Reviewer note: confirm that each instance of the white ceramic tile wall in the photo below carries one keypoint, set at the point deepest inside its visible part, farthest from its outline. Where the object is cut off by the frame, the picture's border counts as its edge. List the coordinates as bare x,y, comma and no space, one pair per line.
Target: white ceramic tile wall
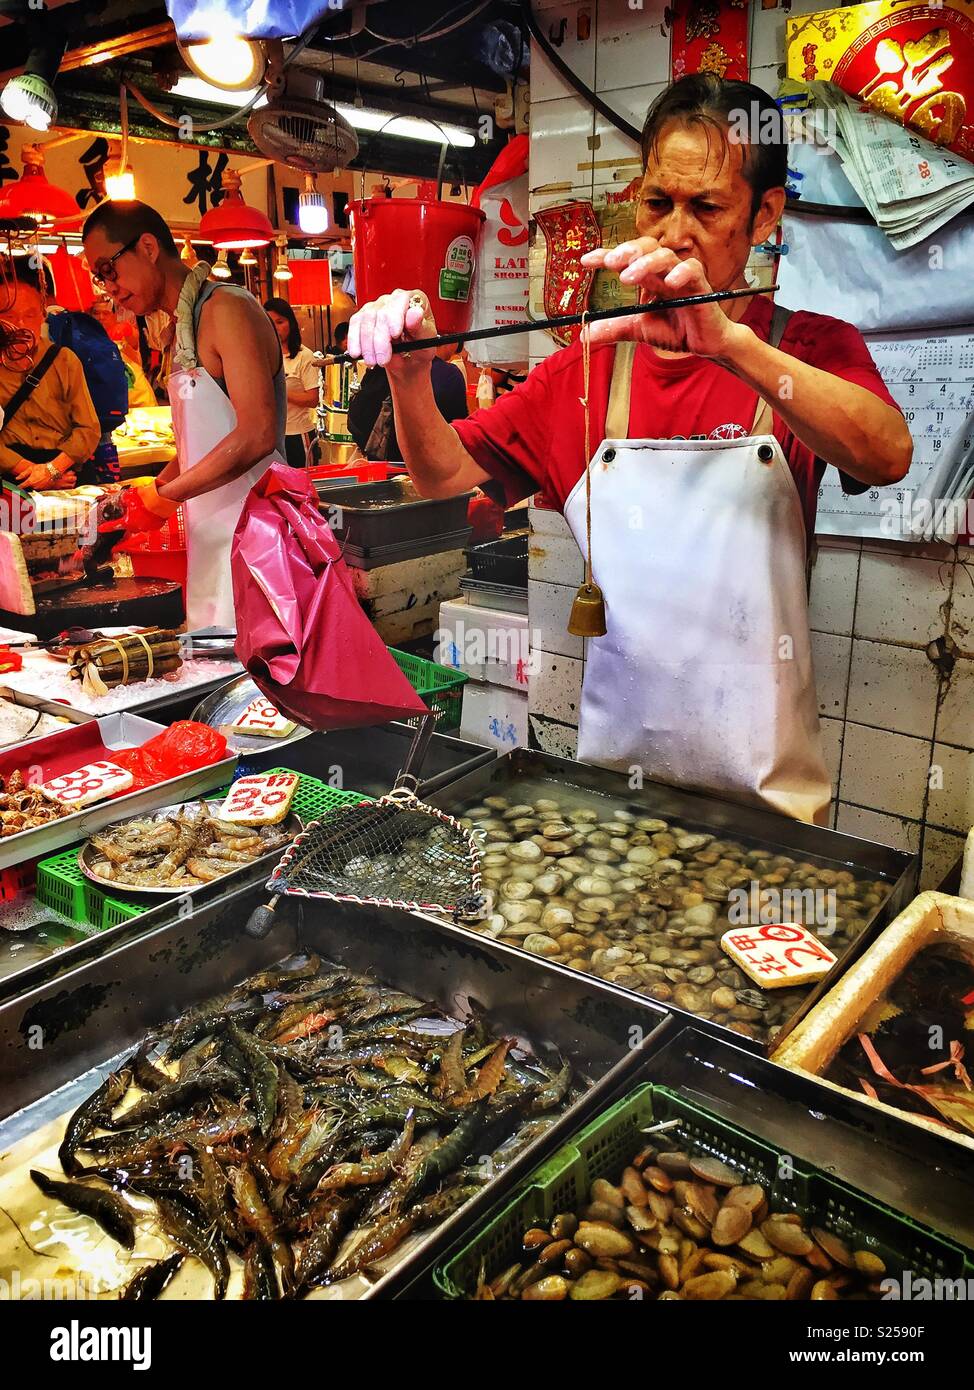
901,599
546,81
633,46
951,806
830,657
955,722
832,602
896,831
962,607
550,606
941,852
893,688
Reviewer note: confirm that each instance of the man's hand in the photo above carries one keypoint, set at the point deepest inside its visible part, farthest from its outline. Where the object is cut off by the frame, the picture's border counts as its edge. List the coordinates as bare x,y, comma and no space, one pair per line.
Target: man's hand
393,317
660,274
36,477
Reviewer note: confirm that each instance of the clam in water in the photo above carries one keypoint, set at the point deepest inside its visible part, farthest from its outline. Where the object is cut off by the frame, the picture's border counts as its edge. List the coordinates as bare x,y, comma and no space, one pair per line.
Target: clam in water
642,902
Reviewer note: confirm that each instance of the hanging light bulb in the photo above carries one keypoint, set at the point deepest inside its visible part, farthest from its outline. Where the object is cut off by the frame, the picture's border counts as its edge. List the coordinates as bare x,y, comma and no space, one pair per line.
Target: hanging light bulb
282,270
247,257
221,271
312,209
119,178
187,255
225,60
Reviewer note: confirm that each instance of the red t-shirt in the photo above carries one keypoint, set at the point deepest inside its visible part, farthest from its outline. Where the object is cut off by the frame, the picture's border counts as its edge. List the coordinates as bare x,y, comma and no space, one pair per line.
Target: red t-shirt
532,439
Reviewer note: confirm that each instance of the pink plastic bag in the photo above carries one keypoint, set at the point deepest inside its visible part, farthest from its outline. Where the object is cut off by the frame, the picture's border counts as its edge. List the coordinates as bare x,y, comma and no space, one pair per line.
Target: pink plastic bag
301,633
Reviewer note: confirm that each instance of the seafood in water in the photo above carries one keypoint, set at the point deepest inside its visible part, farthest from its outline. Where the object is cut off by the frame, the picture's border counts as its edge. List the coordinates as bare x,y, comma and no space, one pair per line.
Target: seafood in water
697,1241
180,850
642,901
306,1161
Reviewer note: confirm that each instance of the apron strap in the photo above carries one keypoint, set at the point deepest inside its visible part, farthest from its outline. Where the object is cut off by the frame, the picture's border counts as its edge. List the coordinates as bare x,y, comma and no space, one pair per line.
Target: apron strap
763,415
620,392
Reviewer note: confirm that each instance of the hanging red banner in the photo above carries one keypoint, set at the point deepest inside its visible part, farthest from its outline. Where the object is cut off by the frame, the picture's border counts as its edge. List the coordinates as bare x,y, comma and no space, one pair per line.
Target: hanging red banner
709,36
569,231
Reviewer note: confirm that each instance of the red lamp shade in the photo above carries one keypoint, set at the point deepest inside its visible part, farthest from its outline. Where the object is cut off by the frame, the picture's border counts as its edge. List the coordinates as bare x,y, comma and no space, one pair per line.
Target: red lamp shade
72,283
233,225
34,196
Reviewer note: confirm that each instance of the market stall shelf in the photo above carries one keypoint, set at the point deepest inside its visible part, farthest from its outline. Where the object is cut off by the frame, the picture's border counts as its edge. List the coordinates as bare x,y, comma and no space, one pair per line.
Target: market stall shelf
896,1023
73,747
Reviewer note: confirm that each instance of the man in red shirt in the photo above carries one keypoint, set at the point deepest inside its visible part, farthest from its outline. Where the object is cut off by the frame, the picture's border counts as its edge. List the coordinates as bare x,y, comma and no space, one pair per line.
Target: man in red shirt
724,419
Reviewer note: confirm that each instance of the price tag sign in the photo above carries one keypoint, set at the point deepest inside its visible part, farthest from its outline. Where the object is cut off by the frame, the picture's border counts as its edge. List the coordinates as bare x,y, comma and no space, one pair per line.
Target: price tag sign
778,954
260,800
262,718
93,782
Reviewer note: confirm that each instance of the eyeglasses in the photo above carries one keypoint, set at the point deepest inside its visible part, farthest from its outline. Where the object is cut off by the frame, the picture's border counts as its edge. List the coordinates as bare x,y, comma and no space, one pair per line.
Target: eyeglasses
105,268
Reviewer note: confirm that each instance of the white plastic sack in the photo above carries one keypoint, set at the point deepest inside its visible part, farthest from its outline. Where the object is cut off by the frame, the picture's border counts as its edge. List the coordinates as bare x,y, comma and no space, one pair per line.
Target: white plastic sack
501,291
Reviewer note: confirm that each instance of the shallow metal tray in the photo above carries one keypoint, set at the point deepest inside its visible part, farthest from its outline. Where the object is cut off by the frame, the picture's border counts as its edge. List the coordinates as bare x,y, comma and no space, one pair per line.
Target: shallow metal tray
696,811
118,730
88,853
221,707
89,1015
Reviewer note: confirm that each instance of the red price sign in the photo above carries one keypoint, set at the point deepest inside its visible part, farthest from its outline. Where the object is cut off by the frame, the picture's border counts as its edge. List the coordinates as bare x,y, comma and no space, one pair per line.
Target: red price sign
777,953
260,798
87,784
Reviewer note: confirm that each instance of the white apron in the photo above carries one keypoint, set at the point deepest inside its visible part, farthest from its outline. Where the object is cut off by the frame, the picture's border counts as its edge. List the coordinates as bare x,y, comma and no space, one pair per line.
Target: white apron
704,678
202,415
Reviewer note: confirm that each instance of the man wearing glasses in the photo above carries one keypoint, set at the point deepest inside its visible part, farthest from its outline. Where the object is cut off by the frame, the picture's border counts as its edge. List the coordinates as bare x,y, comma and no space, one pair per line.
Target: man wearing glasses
226,387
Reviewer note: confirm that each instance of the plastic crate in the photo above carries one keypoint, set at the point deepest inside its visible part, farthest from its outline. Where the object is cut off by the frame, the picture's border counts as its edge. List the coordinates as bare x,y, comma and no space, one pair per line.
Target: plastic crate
170,536
440,686
17,881
61,884
605,1146
504,561
362,472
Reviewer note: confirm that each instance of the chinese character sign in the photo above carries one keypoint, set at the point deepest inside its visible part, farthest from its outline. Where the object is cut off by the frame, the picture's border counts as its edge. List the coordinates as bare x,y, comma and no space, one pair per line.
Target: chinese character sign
206,184
709,36
569,231
775,955
913,63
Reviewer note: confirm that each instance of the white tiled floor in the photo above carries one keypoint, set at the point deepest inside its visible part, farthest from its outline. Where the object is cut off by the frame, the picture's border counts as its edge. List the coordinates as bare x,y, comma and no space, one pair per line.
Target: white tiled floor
955,722
940,853
900,599
952,805
884,830
886,772
830,656
893,688
832,602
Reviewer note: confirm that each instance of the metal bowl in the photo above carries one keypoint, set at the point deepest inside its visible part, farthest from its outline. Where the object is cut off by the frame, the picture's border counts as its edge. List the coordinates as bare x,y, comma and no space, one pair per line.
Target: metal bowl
293,825
221,707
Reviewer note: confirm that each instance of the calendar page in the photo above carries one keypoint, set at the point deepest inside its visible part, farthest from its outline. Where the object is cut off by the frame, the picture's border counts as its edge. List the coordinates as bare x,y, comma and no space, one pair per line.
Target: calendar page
932,380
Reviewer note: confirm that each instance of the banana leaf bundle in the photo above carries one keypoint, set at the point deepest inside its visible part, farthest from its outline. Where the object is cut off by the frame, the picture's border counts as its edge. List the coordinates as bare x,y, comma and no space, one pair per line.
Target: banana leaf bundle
113,661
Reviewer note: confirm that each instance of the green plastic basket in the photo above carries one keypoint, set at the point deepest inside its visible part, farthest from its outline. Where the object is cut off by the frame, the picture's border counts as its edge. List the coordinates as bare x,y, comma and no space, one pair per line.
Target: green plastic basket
62,886
608,1144
440,686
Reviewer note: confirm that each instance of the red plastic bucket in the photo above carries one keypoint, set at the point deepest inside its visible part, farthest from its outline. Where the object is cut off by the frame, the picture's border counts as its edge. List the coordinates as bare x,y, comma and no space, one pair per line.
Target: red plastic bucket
418,244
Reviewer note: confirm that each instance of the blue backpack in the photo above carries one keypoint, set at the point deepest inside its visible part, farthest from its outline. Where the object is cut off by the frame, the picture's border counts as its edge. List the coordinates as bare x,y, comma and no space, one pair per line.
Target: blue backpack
101,361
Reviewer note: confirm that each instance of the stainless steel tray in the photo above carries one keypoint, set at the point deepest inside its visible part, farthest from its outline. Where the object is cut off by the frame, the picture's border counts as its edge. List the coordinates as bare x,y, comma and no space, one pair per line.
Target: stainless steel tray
90,1015
120,730
221,707
699,812
88,853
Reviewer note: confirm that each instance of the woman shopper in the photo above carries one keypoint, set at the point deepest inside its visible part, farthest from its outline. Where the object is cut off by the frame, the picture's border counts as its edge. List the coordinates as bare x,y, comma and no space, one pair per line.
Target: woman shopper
301,374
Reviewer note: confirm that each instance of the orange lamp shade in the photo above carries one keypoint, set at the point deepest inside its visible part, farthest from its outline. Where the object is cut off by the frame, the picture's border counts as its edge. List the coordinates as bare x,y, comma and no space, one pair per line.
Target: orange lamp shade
33,195
233,225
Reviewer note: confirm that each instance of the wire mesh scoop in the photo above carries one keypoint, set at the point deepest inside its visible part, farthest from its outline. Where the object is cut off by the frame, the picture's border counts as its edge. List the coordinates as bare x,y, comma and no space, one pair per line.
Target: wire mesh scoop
394,852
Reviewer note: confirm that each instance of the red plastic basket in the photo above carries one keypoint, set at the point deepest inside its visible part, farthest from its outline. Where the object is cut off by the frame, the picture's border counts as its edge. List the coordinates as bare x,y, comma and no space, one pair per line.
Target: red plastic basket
159,564
18,880
171,536
361,472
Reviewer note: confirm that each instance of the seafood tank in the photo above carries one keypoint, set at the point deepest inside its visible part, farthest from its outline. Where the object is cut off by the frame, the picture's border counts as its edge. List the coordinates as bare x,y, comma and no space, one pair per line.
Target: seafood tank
600,884
289,1136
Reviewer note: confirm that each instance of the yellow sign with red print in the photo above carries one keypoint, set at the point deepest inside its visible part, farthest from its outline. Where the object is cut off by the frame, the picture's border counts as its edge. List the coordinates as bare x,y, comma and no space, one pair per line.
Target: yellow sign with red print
914,63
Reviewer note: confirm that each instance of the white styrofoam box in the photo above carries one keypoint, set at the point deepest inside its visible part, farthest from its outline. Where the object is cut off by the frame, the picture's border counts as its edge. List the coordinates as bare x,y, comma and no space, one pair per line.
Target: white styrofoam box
549,608
487,643
633,44
494,715
423,578
560,132
900,599
559,24
832,602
